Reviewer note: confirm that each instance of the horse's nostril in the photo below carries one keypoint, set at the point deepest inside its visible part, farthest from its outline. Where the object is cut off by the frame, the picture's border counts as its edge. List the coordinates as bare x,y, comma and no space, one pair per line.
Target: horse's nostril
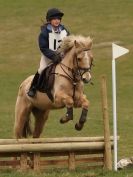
85,80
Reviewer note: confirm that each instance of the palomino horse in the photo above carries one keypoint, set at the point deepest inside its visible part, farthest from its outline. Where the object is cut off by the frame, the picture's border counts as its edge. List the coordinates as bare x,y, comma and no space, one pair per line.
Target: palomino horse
70,75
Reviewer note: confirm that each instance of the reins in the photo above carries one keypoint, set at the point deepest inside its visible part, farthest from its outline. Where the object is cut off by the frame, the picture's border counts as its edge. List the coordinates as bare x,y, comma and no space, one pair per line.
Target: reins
66,72
72,78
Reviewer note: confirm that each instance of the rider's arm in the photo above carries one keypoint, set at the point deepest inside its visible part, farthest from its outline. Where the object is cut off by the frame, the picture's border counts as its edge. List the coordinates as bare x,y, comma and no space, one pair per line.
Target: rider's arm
44,47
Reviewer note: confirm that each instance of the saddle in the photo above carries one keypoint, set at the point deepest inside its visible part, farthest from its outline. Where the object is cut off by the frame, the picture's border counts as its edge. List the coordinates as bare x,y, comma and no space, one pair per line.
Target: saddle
46,80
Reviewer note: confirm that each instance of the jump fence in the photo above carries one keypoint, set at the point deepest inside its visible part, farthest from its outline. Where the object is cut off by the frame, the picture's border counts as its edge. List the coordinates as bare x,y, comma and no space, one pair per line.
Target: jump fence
45,153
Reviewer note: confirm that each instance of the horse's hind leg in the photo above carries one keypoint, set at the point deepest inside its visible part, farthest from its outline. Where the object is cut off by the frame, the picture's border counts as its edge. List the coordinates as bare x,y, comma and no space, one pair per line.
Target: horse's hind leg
40,119
22,112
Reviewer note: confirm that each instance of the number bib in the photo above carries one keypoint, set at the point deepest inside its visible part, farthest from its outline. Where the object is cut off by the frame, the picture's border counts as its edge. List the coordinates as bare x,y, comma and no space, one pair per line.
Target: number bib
55,39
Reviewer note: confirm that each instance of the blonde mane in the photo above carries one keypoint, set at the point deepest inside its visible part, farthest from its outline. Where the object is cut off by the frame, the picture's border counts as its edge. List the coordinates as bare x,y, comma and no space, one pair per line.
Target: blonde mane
68,42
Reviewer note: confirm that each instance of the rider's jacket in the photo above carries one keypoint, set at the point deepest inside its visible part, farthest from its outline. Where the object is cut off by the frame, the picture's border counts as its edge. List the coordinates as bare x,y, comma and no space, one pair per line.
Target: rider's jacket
49,40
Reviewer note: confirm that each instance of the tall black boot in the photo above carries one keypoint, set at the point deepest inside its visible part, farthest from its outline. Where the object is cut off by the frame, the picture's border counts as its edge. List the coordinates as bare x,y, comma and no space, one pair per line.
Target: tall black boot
34,84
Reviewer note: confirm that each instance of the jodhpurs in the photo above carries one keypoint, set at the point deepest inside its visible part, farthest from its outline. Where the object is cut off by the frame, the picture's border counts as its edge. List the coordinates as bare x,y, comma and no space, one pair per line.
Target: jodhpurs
44,62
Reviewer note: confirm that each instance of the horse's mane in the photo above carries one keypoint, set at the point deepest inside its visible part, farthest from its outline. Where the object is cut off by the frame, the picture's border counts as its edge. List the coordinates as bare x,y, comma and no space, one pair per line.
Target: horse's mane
68,42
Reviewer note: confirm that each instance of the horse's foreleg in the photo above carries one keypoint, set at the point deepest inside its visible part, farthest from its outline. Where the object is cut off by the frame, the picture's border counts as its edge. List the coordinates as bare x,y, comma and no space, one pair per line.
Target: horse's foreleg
82,120
68,102
68,116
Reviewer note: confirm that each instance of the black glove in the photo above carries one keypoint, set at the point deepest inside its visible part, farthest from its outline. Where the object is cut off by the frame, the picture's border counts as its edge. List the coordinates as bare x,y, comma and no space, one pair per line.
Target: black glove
57,58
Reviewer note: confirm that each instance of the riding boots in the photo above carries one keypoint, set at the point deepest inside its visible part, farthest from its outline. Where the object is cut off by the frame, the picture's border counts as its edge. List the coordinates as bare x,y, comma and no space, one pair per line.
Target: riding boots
34,84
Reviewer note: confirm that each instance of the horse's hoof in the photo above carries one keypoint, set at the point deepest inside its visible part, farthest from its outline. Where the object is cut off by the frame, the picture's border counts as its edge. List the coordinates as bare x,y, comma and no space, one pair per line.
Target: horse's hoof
64,120
78,126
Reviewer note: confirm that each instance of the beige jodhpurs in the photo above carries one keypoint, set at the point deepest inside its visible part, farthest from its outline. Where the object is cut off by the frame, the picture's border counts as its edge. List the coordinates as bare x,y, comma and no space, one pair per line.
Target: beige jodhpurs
44,62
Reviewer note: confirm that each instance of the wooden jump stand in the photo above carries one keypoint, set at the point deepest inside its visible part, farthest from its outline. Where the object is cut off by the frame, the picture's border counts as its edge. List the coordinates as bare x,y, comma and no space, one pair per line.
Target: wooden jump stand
70,152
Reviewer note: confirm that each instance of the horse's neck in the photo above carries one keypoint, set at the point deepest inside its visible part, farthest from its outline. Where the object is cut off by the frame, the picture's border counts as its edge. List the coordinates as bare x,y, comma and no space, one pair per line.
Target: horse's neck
68,59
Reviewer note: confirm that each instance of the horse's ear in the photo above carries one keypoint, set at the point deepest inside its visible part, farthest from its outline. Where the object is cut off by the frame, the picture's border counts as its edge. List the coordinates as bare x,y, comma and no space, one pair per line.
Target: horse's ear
90,40
76,44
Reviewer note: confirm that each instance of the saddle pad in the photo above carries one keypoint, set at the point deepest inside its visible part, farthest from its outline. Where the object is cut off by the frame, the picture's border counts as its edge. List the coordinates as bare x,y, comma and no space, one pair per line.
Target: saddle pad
46,80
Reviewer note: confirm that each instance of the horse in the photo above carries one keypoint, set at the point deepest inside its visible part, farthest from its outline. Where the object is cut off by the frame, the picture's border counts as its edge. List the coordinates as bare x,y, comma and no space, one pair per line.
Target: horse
68,89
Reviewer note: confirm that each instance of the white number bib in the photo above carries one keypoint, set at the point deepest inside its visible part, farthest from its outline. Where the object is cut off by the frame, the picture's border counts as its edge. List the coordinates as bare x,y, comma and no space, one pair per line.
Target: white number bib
55,39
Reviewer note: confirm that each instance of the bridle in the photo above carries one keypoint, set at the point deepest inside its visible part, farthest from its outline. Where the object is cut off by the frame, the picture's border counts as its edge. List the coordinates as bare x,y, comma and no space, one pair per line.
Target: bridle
81,70
76,75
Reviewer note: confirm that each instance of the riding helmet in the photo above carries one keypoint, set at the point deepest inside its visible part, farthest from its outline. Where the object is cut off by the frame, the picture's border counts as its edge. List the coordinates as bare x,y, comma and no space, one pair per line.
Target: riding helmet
54,13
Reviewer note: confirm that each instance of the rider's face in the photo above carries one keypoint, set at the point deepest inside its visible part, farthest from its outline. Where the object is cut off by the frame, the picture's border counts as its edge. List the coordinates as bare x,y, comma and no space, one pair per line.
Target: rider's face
55,22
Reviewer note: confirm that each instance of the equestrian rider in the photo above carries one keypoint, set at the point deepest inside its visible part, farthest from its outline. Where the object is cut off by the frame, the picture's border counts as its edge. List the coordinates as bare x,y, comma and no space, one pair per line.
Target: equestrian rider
49,39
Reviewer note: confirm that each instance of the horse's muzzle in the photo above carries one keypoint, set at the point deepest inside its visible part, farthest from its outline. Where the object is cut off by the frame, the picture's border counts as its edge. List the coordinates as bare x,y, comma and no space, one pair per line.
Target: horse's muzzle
86,77
85,80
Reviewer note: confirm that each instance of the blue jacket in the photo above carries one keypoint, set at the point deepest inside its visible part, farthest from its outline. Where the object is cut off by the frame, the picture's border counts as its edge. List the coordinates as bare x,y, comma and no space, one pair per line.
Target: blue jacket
44,40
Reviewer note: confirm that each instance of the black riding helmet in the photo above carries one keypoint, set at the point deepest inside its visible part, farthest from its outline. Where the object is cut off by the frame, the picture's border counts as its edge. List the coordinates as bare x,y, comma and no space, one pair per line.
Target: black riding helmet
54,13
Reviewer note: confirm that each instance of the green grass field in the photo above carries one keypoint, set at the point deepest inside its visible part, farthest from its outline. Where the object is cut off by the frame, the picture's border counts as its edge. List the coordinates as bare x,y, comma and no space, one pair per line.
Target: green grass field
104,21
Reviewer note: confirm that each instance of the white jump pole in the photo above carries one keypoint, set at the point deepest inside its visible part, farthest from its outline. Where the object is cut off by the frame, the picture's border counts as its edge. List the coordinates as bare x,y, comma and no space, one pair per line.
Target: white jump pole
114,112
117,51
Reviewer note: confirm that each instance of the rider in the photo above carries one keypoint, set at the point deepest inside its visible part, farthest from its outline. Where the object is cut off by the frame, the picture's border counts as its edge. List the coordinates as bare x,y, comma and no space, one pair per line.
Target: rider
50,38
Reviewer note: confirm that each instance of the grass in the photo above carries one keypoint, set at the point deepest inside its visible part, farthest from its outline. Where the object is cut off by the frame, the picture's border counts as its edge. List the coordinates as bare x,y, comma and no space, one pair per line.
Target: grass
66,173
103,20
